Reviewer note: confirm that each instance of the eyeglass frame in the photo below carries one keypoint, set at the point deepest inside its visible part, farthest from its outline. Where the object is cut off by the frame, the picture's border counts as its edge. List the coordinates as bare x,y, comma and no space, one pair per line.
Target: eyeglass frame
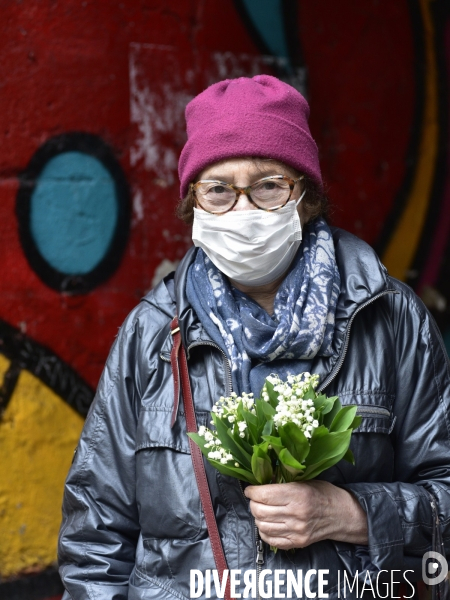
246,191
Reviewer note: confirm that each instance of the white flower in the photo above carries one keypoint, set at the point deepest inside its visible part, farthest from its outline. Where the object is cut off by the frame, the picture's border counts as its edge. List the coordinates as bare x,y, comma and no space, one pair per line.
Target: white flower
236,464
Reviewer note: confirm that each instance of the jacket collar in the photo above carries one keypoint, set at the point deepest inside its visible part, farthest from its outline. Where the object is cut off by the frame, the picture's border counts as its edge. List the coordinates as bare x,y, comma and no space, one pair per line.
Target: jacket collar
362,274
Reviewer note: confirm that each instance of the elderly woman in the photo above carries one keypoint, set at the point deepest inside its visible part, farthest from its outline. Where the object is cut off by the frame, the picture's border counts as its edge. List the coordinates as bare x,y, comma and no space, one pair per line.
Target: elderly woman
268,287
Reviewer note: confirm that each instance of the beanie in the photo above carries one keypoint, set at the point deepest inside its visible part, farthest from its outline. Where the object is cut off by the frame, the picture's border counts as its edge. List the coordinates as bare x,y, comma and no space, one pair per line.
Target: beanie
261,116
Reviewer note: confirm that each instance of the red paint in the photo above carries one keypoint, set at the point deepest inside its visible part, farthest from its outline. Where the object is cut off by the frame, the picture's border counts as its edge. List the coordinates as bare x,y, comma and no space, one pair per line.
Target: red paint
360,59
67,67
441,233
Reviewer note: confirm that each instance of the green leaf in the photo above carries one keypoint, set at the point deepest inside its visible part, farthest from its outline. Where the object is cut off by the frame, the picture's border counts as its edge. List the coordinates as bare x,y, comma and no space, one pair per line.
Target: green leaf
261,466
328,446
275,442
319,401
328,419
343,419
242,442
200,441
348,456
236,472
290,468
288,460
253,433
317,433
249,417
267,430
264,408
244,473
356,422
294,440
225,435
310,394
313,471
273,395
287,476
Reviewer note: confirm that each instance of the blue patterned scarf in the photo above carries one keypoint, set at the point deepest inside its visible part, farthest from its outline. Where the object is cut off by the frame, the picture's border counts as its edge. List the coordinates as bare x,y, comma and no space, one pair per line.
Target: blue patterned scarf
302,325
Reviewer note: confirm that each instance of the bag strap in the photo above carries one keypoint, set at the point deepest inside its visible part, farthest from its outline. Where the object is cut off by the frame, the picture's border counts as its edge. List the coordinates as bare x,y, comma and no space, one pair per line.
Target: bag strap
181,375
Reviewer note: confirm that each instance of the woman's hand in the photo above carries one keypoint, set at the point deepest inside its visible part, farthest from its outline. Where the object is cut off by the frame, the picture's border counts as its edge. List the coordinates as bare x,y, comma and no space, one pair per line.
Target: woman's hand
295,515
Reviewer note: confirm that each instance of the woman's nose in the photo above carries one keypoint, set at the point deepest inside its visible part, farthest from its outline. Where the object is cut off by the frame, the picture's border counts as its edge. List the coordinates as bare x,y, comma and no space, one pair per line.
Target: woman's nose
244,203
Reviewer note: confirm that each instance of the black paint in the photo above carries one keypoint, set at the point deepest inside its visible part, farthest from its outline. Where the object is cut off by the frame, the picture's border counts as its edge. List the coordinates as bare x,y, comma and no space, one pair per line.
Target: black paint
96,147
33,587
25,353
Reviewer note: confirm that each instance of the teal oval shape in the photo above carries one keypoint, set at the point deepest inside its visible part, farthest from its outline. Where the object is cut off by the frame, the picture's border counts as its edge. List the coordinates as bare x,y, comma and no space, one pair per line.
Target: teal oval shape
73,212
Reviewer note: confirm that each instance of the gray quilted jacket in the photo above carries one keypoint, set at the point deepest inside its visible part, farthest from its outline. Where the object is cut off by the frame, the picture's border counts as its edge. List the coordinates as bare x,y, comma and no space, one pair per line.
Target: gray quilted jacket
132,521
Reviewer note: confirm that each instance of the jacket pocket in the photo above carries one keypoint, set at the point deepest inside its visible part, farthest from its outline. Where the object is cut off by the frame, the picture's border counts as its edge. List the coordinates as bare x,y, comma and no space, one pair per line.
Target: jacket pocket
166,490
371,442
375,419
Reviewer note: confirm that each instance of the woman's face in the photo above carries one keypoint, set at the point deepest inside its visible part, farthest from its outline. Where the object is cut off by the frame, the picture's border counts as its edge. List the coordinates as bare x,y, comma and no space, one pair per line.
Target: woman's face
243,172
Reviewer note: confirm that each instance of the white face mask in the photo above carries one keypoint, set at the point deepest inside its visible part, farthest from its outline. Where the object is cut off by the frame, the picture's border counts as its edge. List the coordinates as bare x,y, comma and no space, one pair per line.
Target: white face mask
252,247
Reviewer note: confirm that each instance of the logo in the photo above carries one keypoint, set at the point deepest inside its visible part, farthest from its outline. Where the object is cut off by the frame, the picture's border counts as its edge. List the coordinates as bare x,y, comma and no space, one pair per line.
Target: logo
434,568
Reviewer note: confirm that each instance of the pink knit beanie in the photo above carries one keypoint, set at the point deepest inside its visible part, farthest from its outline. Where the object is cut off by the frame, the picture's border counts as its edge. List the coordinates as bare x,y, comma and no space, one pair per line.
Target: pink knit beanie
262,116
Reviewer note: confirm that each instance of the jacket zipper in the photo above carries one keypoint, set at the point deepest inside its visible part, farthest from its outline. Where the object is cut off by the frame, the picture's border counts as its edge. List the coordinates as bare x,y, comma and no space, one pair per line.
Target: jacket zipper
373,410
229,380
259,557
259,544
340,362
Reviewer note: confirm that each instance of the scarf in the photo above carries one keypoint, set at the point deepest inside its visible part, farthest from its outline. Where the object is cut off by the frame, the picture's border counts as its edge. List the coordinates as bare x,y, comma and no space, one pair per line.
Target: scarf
301,326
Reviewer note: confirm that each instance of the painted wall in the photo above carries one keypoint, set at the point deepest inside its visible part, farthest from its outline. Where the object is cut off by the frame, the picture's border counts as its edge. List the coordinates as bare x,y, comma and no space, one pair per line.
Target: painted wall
91,125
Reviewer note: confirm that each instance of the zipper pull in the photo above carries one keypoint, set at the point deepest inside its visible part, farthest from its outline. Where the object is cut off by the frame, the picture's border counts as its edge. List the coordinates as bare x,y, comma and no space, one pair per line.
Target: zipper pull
259,553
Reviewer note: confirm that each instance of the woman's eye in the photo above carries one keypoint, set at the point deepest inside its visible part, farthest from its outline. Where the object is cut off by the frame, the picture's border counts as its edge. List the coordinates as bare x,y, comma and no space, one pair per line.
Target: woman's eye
270,185
217,189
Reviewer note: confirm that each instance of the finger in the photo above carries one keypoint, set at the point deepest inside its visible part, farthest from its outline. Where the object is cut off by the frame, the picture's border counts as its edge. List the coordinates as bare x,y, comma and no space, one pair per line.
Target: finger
272,493
282,543
272,529
266,512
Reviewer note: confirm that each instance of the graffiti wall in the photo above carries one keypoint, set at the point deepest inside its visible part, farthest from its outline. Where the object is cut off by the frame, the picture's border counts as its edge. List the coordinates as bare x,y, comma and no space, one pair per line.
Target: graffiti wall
92,101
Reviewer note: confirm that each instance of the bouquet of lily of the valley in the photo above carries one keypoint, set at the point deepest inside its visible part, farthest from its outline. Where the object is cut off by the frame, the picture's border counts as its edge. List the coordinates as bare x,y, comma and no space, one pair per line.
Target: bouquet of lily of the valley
289,434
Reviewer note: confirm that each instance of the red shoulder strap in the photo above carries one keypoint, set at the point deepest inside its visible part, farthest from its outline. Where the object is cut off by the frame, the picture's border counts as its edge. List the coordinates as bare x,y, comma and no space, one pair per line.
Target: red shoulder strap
181,375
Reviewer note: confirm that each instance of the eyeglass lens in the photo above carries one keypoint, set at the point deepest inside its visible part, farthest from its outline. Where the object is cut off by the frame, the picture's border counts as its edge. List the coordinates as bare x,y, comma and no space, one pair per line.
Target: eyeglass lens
218,197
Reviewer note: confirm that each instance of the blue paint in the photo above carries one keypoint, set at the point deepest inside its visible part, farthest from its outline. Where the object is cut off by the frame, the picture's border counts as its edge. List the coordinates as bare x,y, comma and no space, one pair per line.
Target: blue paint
267,17
74,212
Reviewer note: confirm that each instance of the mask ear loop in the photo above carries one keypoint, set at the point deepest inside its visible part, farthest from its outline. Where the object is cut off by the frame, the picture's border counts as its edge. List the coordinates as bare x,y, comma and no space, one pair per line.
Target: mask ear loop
301,198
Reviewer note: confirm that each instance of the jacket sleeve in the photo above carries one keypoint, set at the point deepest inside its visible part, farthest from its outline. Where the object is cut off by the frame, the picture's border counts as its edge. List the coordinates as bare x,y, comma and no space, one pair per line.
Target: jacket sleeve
100,526
399,514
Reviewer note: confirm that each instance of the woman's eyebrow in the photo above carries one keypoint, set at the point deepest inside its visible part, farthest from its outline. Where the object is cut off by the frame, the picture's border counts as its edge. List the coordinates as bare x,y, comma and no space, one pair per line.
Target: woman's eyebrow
253,177
216,177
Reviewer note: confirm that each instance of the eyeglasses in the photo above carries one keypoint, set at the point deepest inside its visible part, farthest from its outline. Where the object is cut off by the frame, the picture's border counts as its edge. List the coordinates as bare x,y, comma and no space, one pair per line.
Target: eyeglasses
270,193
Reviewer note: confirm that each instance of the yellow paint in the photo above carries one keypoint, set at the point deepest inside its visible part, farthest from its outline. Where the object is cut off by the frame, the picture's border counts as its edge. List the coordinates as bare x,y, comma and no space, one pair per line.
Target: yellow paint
38,434
402,247
4,365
